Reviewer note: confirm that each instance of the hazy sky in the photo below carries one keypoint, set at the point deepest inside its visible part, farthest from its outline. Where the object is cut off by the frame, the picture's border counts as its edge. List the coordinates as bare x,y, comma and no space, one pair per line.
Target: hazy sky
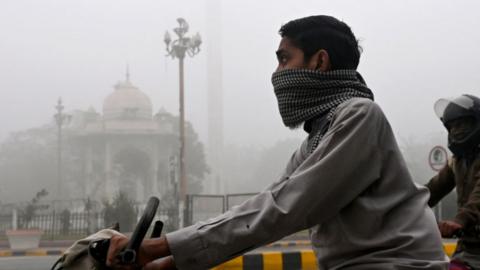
414,52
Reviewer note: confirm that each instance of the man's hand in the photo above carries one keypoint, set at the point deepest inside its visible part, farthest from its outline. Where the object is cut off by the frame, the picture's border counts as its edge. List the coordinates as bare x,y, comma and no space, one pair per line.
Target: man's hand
150,250
165,263
448,228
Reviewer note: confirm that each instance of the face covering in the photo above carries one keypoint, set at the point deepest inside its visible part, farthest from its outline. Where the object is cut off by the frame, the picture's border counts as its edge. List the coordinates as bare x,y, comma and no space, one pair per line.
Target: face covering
304,94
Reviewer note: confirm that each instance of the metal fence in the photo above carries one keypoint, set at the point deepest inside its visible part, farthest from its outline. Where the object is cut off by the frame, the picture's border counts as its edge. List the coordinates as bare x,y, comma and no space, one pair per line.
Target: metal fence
5,222
203,207
236,199
77,222
47,206
57,223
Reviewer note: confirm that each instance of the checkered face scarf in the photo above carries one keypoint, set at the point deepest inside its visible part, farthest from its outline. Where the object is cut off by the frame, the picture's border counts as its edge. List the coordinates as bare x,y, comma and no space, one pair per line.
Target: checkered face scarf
304,94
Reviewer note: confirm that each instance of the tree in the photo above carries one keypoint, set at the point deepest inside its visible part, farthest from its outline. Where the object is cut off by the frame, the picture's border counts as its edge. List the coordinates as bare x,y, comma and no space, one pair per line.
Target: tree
273,160
239,163
251,169
27,163
121,210
195,161
28,213
65,220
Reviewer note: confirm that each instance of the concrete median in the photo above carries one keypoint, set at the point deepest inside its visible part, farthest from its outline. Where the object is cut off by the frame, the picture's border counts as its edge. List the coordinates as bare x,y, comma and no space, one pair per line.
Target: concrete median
304,259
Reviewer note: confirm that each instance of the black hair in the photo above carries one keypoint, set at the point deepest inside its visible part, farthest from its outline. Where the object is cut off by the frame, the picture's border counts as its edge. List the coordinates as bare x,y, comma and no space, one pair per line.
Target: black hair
314,33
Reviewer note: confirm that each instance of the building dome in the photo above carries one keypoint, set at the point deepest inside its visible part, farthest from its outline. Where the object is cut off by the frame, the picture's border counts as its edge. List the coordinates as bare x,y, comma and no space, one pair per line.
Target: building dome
127,102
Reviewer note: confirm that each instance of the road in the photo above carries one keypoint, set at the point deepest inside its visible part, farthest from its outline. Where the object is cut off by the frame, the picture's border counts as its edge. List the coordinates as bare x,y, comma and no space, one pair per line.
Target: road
27,263
46,262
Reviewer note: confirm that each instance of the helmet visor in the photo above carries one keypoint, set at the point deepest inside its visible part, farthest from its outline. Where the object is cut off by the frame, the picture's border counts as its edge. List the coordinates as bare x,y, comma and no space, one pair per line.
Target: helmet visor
463,102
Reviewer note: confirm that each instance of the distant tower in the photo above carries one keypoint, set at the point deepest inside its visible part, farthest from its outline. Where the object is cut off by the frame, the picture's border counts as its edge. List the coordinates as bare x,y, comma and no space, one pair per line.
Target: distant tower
127,73
217,181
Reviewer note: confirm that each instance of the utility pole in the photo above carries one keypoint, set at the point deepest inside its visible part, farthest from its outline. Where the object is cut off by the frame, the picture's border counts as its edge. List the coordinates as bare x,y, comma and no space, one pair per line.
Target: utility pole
178,48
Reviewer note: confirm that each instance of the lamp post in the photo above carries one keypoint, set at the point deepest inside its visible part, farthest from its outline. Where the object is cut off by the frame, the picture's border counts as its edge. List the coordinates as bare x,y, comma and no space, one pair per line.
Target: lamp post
178,49
60,120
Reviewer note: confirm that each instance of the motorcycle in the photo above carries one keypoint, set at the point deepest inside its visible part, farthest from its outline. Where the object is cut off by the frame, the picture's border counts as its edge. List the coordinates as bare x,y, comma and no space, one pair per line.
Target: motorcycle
91,252
457,264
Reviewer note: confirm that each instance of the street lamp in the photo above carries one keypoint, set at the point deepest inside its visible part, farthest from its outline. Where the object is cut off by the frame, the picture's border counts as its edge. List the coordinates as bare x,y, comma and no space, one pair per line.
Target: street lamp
60,119
178,49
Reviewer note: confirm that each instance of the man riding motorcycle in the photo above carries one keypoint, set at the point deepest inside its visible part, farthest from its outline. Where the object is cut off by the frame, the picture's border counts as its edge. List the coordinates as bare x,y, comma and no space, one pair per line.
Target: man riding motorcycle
461,118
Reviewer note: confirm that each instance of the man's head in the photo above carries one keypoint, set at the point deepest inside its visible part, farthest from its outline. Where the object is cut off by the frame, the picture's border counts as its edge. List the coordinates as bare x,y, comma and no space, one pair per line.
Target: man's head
309,48
461,118
319,43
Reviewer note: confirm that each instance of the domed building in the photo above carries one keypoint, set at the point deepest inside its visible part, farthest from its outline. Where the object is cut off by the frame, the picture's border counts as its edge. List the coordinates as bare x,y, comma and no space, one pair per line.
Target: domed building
125,148
127,102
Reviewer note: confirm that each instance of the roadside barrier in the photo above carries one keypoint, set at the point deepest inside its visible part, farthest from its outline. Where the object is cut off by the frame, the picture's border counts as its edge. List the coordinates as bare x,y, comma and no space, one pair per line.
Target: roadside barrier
32,252
292,260
304,260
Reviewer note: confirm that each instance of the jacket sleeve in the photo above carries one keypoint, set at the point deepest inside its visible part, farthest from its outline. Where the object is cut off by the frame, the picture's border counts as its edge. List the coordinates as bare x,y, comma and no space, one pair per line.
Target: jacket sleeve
469,214
346,162
440,185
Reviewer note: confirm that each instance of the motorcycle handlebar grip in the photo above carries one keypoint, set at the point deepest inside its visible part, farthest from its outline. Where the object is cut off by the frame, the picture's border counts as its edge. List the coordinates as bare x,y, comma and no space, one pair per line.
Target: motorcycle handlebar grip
157,229
129,254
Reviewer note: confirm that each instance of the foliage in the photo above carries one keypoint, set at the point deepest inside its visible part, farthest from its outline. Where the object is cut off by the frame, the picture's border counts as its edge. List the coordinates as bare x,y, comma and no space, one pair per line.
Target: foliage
65,221
28,213
273,160
251,169
121,210
27,163
195,161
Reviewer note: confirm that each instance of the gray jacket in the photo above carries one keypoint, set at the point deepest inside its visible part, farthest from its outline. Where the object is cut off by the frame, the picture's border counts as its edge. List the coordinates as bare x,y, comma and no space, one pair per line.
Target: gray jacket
355,194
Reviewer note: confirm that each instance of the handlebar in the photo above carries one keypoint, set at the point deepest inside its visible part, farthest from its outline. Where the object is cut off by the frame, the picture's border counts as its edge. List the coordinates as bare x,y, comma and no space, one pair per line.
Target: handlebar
98,249
470,231
129,255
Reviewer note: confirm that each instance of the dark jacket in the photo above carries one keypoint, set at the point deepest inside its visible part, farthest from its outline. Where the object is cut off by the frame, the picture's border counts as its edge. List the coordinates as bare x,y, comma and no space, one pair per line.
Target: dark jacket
465,176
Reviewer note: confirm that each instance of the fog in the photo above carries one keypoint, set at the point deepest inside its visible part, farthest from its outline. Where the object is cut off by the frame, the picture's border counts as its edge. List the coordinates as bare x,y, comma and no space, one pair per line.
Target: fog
414,52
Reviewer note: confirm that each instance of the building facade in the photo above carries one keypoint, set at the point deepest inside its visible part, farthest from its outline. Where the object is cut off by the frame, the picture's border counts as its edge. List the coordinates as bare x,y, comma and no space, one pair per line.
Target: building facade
125,148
